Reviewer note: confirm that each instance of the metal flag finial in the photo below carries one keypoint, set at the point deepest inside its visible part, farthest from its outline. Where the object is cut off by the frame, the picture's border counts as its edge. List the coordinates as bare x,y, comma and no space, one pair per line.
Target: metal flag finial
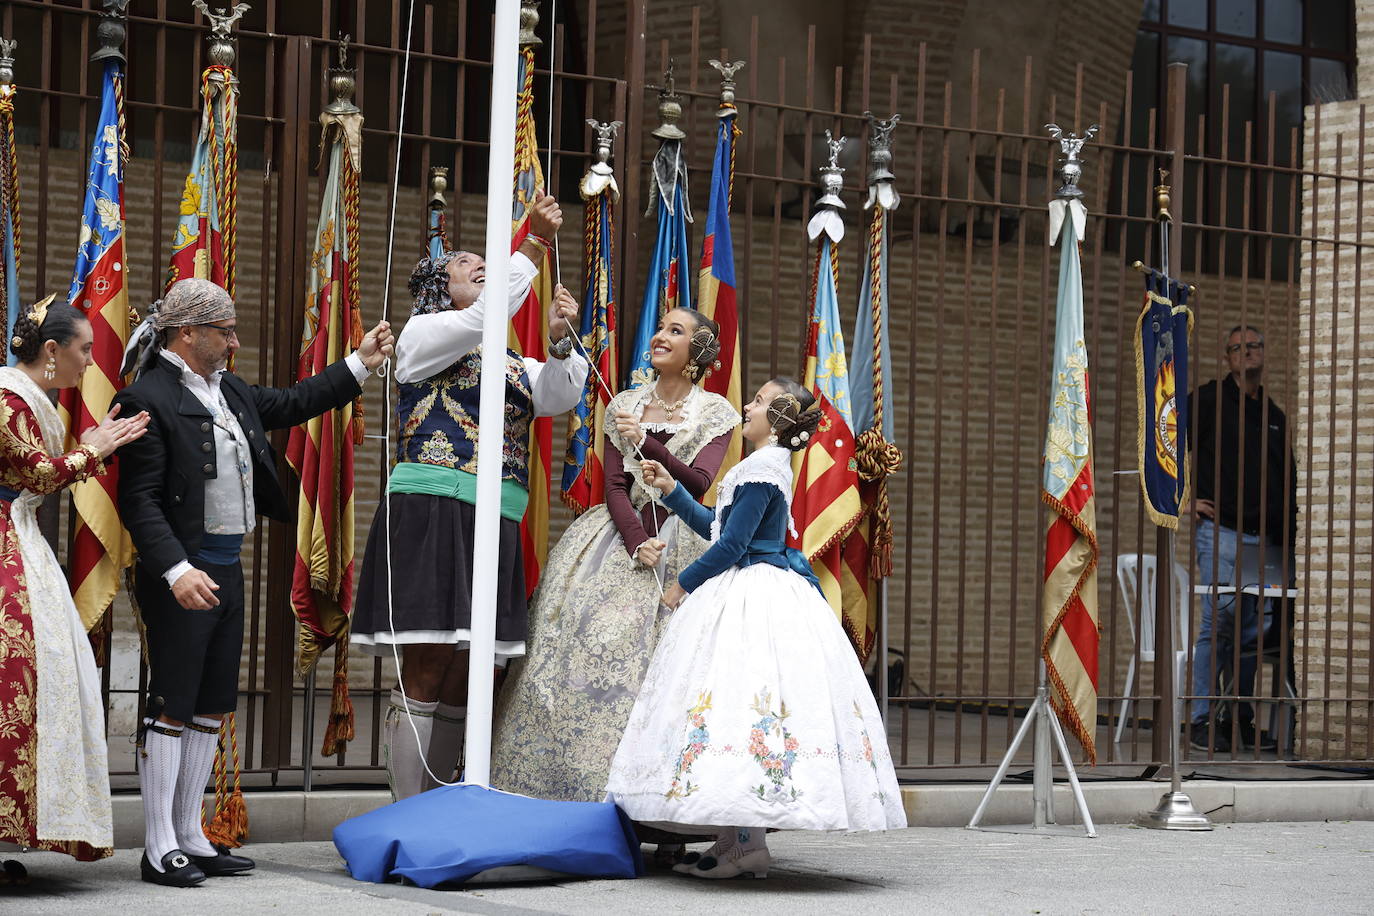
600,175
438,184
343,82
727,85
832,175
880,176
7,62
111,31
222,38
605,138
1070,167
669,108
1162,198
529,21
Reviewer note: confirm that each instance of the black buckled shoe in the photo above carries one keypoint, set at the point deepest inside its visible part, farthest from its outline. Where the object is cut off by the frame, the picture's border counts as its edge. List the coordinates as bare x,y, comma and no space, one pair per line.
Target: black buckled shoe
177,870
222,863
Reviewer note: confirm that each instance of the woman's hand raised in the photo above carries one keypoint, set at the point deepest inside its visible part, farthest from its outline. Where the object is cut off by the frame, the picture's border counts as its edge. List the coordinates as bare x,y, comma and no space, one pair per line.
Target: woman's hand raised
113,432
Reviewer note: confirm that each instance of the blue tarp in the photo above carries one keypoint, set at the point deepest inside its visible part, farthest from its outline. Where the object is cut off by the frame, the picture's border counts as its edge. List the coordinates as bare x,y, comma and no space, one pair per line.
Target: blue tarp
450,834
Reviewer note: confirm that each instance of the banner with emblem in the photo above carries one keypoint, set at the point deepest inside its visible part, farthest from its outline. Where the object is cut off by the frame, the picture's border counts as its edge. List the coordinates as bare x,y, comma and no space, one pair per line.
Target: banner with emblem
530,332
9,199
1161,372
321,450
717,296
668,285
584,467
1070,646
101,548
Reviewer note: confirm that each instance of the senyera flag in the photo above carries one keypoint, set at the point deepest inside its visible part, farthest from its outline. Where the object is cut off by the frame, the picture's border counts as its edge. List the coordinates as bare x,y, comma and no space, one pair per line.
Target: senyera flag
321,450
826,505
1161,372
1070,593
530,330
584,468
667,286
101,548
716,290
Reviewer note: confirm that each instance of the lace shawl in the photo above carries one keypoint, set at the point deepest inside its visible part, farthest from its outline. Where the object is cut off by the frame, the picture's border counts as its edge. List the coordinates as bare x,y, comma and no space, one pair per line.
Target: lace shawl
771,464
705,416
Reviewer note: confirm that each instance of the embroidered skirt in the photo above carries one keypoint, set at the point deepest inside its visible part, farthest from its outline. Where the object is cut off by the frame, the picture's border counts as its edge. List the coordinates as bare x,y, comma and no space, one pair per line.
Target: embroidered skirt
431,567
594,622
755,713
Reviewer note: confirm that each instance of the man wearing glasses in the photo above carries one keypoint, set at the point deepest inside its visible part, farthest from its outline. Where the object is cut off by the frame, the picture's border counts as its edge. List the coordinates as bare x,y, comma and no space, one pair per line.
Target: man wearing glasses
1246,511
188,494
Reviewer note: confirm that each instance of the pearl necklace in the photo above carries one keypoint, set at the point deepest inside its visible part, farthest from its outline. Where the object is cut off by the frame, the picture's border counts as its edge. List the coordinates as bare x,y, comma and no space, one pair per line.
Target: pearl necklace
668,409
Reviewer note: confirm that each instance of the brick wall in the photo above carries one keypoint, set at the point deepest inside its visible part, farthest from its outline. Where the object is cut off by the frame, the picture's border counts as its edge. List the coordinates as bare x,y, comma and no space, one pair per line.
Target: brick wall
1336,340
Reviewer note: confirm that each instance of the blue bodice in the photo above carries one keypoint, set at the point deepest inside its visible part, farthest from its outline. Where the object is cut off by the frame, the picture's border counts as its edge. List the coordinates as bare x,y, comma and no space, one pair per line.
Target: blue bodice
438,418
753,529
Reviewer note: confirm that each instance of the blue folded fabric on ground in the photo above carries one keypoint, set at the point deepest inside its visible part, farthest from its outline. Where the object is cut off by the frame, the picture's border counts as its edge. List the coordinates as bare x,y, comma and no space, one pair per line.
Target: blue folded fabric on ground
450,834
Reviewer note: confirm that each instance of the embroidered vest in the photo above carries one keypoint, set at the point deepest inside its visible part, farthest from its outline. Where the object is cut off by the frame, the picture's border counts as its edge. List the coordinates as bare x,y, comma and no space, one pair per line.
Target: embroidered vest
438,418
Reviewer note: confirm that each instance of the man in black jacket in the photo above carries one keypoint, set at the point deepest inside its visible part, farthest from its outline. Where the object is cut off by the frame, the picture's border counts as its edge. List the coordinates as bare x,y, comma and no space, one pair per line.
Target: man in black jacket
189,491
1246,508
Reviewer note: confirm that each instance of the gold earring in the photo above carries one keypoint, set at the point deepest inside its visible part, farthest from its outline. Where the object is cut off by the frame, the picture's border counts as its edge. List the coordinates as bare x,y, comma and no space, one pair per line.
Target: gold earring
50,368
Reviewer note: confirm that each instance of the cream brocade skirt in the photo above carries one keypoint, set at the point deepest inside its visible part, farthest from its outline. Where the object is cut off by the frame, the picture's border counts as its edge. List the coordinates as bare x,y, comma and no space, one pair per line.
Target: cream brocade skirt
594,623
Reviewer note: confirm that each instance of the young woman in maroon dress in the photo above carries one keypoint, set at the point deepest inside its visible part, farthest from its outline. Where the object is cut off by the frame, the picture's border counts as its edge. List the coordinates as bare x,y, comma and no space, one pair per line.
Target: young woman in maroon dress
595,619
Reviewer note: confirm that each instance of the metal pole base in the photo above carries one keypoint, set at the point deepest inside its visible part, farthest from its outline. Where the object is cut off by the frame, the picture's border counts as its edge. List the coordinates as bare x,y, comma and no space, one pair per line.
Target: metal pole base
1042,716
1175,811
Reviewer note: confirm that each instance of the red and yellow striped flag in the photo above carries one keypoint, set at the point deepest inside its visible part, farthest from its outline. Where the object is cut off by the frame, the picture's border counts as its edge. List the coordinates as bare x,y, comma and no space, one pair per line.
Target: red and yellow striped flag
101,548
321,450
530,332
1070,596
827,506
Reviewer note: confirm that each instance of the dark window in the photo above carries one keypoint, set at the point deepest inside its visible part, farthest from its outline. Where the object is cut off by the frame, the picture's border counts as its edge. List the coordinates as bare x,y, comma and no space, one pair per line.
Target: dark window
1252,66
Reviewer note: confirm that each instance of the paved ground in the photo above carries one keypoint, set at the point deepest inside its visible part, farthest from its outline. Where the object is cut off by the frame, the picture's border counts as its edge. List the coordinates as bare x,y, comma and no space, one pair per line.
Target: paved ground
1325,868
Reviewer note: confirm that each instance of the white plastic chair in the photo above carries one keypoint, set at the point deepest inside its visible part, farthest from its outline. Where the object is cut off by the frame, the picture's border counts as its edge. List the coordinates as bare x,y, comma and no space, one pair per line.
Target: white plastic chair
1135,577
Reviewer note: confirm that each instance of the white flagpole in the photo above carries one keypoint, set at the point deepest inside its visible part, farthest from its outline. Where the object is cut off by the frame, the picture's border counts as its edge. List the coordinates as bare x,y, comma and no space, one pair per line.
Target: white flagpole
491,425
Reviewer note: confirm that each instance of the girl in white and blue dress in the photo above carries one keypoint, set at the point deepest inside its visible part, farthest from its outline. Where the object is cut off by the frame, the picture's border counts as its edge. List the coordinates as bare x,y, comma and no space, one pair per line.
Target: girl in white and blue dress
754,713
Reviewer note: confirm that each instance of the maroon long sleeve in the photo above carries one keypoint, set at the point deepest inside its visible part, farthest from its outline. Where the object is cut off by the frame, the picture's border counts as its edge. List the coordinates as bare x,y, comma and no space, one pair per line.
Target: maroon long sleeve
696,477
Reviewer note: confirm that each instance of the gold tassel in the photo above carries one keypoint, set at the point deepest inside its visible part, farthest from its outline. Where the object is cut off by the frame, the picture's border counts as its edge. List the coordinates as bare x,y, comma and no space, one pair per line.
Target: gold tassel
340,728
229,825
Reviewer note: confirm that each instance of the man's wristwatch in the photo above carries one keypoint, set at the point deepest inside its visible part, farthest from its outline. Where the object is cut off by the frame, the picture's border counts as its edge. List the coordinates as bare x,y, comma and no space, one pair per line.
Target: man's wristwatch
561,348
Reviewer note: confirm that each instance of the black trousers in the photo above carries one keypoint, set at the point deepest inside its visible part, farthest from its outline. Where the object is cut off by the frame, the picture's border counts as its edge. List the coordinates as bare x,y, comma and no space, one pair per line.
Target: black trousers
193,656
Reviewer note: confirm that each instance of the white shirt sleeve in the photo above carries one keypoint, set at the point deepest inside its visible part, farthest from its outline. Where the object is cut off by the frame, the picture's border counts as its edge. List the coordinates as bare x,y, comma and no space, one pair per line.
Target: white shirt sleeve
429,344
355,363
557,384
176,572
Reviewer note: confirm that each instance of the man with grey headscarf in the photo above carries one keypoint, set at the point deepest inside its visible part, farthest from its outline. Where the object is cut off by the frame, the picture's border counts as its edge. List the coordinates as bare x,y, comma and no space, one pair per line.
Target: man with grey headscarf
189,491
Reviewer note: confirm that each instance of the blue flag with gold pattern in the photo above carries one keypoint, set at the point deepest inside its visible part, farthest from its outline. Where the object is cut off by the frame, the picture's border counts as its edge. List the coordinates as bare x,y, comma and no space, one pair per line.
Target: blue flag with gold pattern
1161,363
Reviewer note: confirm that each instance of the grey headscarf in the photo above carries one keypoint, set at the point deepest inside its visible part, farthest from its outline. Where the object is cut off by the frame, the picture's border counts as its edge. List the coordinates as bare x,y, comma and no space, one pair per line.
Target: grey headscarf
189,302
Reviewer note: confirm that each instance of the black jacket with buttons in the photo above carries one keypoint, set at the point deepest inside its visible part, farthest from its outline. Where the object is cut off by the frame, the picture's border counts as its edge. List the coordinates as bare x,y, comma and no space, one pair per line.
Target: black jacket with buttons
162,475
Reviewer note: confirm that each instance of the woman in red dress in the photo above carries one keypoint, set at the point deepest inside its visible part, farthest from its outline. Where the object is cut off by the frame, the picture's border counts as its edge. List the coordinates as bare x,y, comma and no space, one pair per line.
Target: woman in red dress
54,783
